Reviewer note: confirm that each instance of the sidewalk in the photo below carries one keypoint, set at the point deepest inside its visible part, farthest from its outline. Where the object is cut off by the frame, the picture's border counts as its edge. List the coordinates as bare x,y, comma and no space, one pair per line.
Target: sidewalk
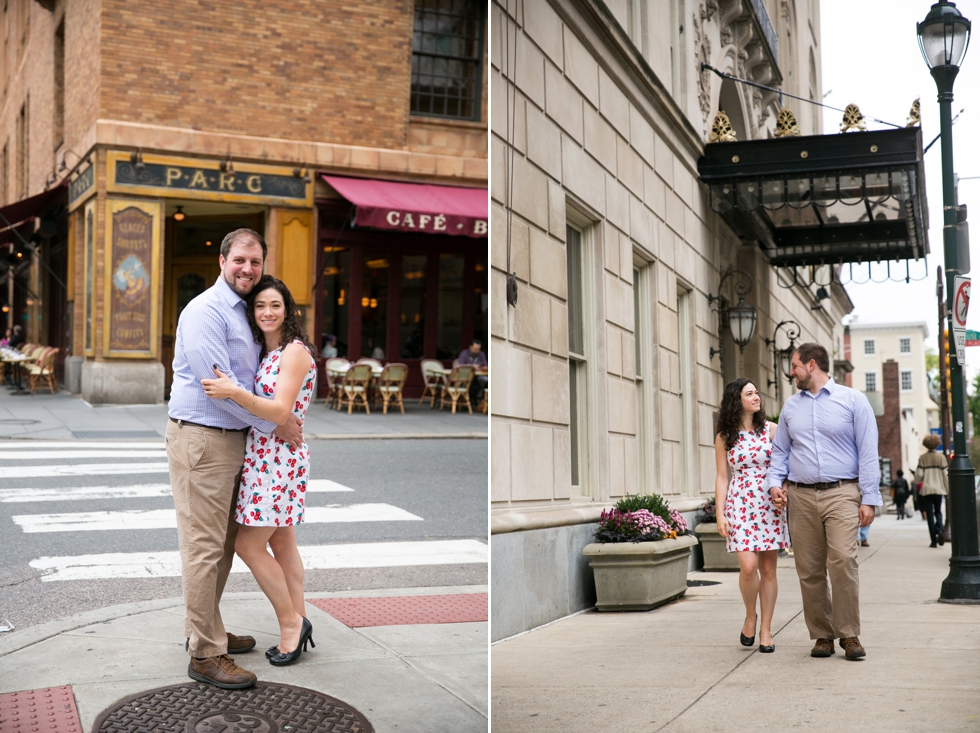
64,416
680,668
416,677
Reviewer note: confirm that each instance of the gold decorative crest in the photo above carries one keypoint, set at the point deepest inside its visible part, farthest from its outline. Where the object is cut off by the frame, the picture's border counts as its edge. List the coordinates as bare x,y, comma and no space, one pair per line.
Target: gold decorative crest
853,119
721,129
914,118
786,124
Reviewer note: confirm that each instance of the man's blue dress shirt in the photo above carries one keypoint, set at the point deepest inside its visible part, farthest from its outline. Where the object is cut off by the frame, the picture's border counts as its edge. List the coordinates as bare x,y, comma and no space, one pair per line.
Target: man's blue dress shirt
213,329
826,437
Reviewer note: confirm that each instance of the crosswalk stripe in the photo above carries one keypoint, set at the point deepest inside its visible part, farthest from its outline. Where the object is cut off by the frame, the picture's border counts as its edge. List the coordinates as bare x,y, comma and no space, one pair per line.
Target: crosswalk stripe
136,491
43,445
167,518
315,557
50,455
82,469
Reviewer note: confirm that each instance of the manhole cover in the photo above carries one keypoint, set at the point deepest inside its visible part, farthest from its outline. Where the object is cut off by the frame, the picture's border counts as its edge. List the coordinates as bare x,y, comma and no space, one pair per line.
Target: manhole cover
16,421
198,708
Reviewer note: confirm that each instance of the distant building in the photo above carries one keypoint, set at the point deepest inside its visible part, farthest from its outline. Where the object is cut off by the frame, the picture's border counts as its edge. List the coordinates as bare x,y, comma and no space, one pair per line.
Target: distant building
873,345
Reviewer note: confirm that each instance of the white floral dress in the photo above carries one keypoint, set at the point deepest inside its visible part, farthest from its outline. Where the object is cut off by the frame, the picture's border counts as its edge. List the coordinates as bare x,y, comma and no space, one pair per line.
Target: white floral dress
755,524
273,486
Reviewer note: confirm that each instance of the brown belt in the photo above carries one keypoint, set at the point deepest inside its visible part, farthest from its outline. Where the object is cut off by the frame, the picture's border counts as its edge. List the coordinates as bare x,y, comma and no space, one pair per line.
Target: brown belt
182,423
821,486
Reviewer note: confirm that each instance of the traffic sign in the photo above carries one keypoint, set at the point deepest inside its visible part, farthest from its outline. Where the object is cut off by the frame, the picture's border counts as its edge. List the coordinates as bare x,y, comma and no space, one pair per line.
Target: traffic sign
961,306
972,338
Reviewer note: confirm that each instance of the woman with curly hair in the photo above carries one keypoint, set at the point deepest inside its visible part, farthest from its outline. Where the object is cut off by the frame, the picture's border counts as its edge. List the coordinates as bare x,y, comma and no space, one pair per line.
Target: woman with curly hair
271,493
754,529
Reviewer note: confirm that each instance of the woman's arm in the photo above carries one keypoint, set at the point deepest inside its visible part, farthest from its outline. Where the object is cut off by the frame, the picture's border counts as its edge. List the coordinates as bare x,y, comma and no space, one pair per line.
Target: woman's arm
293,367
721,484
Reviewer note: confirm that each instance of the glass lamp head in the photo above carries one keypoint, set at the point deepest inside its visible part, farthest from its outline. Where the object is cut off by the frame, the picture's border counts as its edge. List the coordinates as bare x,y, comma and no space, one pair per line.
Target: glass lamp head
741,321
943,36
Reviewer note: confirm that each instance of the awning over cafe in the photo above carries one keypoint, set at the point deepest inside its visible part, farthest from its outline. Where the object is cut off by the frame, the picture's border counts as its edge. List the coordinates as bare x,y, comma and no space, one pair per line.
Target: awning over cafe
415,207
823,199
20,215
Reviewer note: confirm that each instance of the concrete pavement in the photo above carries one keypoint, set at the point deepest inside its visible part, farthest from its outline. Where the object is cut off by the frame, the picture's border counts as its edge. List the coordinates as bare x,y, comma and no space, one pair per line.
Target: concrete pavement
416,677
680,668
64,416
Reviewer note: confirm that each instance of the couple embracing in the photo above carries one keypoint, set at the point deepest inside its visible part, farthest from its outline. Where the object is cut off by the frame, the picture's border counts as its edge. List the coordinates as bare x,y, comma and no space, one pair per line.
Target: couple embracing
243,379
819,466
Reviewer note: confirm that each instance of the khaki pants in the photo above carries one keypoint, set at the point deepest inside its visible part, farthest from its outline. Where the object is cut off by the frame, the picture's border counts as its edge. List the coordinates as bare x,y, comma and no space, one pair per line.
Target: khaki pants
823,526
205,467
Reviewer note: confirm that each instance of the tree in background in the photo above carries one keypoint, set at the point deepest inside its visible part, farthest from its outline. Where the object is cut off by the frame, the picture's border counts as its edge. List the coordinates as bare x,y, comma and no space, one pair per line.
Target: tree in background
973,403
932,373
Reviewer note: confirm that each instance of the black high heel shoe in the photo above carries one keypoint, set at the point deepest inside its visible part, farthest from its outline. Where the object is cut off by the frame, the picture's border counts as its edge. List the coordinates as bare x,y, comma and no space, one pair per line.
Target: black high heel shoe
767,649
306,635
271,652
746,640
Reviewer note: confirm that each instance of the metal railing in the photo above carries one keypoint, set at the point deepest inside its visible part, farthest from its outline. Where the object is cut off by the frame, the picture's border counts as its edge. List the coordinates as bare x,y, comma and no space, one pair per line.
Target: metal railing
765,25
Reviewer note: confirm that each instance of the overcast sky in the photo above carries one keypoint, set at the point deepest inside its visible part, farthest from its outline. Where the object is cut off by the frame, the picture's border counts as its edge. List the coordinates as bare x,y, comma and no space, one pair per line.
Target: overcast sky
871,57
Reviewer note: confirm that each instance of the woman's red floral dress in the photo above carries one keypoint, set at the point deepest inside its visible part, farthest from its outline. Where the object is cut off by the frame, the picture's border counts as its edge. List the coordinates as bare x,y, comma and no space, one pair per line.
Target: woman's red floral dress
273,488
755,524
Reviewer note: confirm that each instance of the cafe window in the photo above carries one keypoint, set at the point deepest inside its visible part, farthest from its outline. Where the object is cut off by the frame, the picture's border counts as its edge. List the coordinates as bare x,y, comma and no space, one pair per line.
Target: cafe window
336,298
481,303
447,50
450,334
411,335
374,305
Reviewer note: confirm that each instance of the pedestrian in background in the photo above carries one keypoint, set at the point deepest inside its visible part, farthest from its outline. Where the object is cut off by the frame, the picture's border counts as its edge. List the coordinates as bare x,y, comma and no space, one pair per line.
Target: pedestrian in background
827,447
931,471
901,494
753,528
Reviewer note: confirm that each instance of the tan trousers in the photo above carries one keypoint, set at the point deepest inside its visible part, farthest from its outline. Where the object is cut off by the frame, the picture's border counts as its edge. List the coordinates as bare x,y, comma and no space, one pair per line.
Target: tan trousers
823,526
205,467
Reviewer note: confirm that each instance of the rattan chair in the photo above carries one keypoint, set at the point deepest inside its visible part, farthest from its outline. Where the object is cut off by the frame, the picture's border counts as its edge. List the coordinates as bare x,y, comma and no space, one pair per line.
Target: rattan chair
389,386
457,387
375,364
42,368
356,384
433,381
335,379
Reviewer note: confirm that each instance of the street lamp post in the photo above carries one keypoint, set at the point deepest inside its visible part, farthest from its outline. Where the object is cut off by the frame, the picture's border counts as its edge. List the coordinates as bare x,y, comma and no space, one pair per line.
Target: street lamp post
943,38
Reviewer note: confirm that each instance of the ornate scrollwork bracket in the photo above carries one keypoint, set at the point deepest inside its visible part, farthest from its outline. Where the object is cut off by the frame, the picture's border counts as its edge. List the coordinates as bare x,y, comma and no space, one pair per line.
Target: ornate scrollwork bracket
853,119
721,129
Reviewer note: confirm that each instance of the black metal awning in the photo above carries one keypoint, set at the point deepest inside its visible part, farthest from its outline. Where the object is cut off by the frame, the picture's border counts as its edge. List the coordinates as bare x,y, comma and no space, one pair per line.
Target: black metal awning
824,199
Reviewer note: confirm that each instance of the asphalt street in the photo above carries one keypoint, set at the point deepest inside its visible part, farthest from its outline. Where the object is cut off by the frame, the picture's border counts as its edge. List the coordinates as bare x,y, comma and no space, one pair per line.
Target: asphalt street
435,488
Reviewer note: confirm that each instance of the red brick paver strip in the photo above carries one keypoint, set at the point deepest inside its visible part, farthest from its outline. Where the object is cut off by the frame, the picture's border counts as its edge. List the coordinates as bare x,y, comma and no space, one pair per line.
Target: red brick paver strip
400,610
50,710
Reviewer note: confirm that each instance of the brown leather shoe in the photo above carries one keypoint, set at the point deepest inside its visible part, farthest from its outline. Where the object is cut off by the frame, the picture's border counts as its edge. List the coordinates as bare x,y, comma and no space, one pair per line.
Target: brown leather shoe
221,672
240,644
823,648
852,648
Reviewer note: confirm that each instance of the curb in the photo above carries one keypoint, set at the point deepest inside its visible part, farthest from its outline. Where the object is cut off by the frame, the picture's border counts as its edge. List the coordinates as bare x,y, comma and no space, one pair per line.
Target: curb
36,634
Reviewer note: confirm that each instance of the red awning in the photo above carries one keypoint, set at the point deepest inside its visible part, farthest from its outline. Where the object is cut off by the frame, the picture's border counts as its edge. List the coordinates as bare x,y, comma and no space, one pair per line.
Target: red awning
415,207
20,215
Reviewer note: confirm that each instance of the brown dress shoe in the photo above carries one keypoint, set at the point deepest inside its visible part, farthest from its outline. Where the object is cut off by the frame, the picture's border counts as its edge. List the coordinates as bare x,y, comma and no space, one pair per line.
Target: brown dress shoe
823,648
852,648
221,672
240,644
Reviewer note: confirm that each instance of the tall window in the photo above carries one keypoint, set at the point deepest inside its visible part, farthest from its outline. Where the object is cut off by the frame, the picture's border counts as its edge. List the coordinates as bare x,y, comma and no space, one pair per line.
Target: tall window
906,380
336,297
684,325
374,305
648,447
905,346
481,301
447,49
449,340
58,133
869,347
870,382
411,335
576,356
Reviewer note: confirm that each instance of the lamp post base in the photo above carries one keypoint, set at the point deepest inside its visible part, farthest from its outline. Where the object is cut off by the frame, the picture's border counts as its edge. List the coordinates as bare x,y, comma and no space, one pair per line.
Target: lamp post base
962,585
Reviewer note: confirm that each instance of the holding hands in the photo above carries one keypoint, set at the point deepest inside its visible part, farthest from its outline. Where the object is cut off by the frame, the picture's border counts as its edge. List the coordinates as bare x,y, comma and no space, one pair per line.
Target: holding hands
779,497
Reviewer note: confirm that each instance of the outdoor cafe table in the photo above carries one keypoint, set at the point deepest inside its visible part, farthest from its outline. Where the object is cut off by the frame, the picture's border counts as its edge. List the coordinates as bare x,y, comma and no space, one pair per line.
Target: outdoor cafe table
340,370
15,359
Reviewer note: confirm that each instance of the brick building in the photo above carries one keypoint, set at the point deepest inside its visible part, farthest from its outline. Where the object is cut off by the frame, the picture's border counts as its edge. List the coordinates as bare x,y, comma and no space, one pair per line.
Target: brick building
141,132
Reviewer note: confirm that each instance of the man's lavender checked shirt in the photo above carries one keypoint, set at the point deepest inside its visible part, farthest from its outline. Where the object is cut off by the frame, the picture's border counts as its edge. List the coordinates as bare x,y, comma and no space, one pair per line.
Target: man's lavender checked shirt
213,329
827,437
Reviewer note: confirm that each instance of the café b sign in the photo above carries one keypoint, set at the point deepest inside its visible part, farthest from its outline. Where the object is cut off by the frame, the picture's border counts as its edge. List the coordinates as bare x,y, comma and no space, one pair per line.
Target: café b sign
188,178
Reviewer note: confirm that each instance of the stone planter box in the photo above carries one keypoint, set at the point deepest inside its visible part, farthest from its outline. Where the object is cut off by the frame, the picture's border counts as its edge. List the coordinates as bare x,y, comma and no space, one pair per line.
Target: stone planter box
716,557
639,576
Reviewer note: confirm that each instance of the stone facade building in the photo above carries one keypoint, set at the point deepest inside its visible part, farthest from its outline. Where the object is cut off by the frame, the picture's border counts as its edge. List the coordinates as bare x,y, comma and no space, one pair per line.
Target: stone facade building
169,124
606,369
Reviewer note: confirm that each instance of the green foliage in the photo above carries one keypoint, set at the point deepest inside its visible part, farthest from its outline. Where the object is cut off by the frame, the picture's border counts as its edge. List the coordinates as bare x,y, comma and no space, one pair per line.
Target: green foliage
932,370
973,403
973,450
653,503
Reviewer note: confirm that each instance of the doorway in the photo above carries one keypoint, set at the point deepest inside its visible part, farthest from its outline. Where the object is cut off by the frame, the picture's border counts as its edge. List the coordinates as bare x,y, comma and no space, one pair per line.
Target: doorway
191,261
